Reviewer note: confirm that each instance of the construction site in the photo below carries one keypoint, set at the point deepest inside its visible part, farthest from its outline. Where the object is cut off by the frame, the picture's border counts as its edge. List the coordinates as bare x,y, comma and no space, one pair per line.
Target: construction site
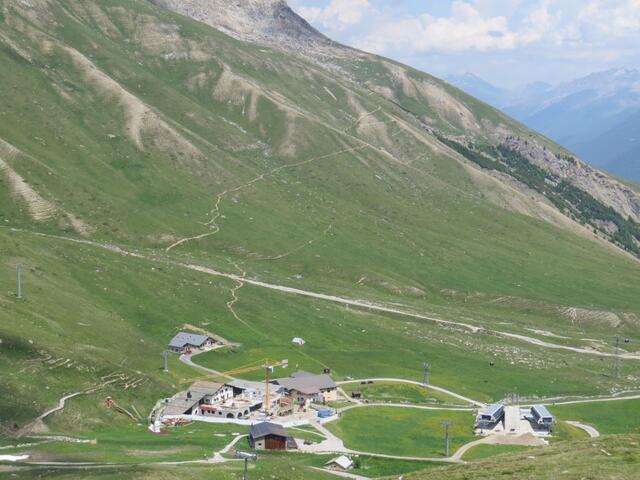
291,400
532,425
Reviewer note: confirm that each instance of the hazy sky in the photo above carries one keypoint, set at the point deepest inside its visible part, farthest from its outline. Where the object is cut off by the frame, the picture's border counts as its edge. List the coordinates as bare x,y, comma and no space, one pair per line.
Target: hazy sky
507,42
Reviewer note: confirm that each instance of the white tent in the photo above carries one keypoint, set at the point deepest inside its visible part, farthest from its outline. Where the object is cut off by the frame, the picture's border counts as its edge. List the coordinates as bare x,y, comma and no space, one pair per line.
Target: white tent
298,341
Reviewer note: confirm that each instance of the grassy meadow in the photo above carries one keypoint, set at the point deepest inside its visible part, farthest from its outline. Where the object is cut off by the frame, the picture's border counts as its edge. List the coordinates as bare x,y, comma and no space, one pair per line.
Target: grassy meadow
271,466
620,416
148,128
480,452
403,432
133,444
390,392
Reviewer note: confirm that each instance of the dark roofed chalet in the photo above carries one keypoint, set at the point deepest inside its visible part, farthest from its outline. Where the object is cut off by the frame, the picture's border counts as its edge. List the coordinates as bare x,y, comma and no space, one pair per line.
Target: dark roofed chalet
185,340
270,436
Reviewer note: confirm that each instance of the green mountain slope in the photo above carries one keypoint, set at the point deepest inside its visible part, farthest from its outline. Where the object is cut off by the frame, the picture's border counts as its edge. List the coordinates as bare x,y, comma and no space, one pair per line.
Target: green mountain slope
136,143
607,457
142,133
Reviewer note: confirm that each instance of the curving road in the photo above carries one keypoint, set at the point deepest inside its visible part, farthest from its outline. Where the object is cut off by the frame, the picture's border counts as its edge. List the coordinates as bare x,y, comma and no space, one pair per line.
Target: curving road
186,359
413,382
555,346
468,446
337,473
403,405
590,400
334,445
593,433
380,308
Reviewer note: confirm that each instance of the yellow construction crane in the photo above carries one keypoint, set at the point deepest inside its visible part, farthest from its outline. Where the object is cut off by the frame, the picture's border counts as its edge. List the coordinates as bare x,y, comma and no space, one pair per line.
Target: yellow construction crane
268,366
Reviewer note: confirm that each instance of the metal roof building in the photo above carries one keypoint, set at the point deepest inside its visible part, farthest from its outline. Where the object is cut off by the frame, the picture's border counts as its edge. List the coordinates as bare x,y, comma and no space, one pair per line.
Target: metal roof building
240,384
263,429
302,373
270,436
307,383
493,413
542,416
185,339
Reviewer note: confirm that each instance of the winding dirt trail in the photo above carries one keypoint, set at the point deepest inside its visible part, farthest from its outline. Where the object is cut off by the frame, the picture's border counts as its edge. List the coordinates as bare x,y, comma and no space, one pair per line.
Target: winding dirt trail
215,212
357,303
598,400
61,404
234,299
381,308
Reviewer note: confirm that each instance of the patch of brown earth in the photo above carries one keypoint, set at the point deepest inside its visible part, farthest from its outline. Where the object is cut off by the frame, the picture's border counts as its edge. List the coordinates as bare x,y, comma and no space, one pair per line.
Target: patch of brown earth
594,317
139,118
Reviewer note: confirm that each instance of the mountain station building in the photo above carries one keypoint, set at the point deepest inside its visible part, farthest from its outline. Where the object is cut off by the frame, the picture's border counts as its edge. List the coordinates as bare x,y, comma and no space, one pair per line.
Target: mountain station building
185,341
304,388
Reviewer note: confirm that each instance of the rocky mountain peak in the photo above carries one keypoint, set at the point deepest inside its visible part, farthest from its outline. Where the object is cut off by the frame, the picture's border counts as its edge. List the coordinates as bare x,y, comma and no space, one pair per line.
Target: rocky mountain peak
268,22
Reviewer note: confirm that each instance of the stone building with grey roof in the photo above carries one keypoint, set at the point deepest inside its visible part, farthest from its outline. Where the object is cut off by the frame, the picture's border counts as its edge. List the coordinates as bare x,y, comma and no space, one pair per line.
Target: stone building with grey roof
185,341
304,388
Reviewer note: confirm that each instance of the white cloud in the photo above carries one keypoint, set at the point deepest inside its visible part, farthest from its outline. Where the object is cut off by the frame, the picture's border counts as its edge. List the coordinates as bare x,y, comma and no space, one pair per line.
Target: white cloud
480,25
609,19
465,29
514,39
338,14
585,23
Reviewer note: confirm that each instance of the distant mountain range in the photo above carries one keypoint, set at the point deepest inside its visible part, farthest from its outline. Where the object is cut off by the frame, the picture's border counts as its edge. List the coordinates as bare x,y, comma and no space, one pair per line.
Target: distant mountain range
597,116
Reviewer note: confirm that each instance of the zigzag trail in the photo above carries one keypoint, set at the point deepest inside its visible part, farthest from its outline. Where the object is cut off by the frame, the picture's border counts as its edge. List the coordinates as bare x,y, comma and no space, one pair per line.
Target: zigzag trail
215,212
242,280
234,300
361,304
63,401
